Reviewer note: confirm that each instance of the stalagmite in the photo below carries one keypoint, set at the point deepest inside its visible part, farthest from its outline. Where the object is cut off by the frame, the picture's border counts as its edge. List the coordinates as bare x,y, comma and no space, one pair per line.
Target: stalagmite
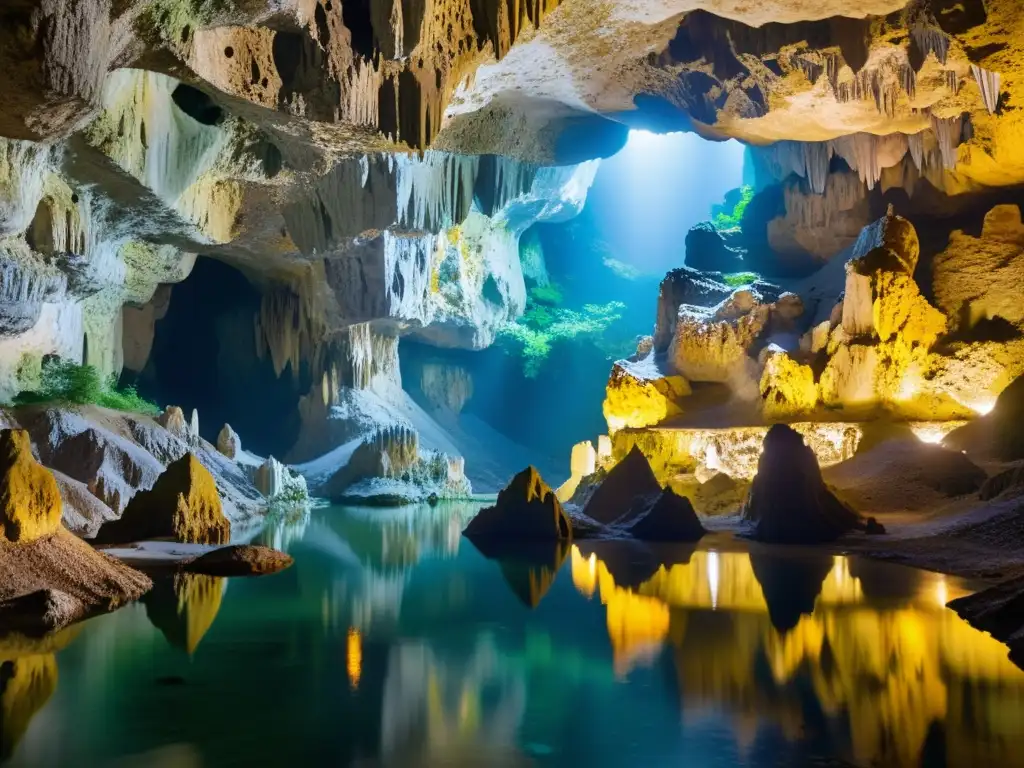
988,82
931,40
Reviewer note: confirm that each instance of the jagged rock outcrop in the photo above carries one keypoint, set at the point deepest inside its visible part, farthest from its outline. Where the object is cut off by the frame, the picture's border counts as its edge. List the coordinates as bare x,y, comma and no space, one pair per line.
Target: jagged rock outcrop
640,394
183,505
30,503
526,510
628,483
788,502
683,286
240,560
228,442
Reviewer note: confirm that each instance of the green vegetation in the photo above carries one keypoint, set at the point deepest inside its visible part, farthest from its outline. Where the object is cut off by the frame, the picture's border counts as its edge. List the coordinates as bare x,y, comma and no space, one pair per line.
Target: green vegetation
540,327
739,279
63,381
730,220
550,294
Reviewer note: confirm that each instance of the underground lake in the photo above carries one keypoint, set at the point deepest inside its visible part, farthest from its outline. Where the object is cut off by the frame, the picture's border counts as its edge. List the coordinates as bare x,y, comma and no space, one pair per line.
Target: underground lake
392,641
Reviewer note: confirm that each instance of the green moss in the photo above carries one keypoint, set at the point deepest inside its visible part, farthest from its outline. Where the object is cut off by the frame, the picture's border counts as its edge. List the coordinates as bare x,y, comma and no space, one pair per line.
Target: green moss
735,218
739,279
64,381
541,327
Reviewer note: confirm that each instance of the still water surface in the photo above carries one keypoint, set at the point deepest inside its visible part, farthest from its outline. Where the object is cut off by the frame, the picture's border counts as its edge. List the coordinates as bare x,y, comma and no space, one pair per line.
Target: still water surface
394,642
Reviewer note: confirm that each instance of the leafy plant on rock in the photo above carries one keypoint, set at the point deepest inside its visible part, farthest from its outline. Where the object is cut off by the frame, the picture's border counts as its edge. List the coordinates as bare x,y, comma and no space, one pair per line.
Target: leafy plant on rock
67,382
734,218
535,333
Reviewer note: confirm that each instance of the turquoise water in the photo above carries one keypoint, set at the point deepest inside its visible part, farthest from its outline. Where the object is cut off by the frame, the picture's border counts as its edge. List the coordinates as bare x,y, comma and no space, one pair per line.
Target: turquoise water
393,642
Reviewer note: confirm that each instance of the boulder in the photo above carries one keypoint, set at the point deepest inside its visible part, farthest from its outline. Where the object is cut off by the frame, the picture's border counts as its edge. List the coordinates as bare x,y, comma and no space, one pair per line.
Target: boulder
721,494
30,503
707,250
240,560
998,610
640,394
183,505
228,442
526,510
628,483
670,518
683,286
788,502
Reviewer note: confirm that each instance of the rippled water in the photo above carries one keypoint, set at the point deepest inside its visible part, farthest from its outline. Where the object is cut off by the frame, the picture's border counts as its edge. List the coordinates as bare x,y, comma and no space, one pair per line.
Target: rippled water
393,642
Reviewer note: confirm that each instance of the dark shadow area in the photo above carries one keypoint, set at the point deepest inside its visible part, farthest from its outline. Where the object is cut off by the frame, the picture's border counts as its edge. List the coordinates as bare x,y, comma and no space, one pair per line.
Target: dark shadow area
790,585
204,357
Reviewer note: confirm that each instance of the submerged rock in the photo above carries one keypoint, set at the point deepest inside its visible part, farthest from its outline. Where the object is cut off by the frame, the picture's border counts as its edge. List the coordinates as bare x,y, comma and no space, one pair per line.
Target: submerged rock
526,510
240,560
627,483
183,505
30,503
789,502
228,442
670,518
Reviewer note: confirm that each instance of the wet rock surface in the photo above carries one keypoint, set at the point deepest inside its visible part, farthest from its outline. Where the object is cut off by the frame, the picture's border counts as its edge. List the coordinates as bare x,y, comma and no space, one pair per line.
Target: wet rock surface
240,560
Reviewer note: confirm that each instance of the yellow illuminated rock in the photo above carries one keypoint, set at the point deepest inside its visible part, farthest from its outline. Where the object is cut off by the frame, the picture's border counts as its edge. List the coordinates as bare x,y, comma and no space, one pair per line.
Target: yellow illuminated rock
734,451
526,510
183,505
788,389
29,496
639,395
582,462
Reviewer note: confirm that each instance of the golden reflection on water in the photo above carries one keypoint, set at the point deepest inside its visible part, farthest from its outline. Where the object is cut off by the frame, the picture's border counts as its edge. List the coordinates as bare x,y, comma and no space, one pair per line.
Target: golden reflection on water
354,657
885,669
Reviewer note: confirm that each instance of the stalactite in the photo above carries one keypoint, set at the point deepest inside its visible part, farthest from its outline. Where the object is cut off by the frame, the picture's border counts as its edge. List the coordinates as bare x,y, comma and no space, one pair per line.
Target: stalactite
952,81
842,192
948,134
288,328
435,191
931,39
988,82
915,143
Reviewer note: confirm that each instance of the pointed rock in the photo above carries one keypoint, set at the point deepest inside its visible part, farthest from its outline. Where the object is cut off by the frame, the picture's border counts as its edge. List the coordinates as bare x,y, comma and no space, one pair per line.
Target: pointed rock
526,510
183,505
228,442
670,518
630,481
789,502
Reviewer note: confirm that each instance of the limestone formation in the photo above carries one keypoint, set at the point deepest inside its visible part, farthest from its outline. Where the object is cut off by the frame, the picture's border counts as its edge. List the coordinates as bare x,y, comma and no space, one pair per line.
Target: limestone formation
582,463
639,394
788,502
708,251
173,420
526,510
996,434
30,499
240,560
628,483
183,506
228,442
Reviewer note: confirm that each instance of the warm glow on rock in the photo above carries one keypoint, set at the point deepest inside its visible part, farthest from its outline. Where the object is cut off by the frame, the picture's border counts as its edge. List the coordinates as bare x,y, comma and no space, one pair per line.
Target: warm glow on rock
934,431
983,407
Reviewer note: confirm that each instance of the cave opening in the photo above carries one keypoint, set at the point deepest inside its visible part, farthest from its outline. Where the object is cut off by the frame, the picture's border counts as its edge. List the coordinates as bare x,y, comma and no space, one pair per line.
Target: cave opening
204,356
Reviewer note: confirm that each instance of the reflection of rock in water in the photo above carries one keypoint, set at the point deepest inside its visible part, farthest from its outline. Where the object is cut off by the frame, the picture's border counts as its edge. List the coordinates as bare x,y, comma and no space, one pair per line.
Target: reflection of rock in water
183,607
26,684
464,710
790,585
285,530
28,677
529,568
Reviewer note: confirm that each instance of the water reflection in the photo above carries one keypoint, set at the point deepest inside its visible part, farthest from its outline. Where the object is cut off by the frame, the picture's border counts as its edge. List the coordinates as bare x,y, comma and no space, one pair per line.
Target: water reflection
752,635
183,606
391,642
